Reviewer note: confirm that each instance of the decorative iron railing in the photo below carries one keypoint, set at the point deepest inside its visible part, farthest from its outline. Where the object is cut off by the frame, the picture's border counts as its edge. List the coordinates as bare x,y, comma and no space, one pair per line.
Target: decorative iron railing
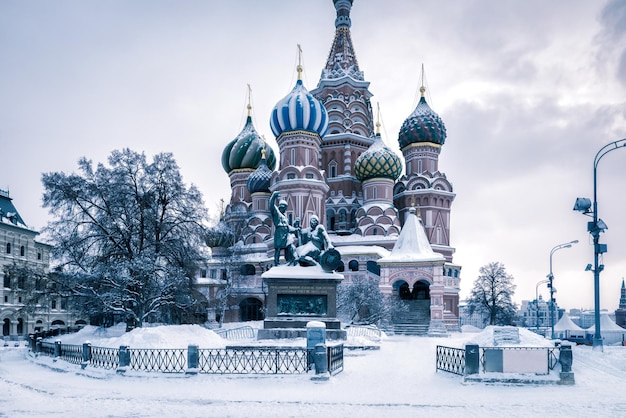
368,331
232,360
240,333
105,357
451,359
335,359
72,353
166,360
253,360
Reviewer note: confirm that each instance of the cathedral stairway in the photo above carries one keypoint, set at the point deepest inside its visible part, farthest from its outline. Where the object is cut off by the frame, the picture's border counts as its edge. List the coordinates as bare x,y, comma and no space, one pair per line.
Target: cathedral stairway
415,321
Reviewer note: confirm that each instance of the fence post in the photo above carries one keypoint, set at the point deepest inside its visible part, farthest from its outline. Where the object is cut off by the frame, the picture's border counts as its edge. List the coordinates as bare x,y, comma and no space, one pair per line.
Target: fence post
472,359
320,357
124,359
86,354
566,358
193,359
57,350
38,345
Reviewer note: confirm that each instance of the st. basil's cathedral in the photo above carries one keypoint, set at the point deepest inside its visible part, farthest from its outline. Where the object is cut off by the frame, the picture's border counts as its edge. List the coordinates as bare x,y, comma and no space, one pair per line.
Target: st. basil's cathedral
390,227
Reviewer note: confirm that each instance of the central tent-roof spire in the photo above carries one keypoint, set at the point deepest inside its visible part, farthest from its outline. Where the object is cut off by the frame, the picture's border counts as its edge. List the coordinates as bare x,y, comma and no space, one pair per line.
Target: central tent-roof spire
342,59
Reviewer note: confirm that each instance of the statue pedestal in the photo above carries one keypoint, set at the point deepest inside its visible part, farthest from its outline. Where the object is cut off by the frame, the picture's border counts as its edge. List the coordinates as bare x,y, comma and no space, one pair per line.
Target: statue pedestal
298,295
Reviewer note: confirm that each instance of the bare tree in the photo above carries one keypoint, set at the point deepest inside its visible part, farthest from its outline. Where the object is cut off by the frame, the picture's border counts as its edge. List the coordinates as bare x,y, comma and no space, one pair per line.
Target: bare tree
492,294
127,236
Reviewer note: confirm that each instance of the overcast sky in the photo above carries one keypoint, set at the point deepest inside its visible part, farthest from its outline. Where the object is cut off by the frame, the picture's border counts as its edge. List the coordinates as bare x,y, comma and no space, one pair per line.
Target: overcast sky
529,92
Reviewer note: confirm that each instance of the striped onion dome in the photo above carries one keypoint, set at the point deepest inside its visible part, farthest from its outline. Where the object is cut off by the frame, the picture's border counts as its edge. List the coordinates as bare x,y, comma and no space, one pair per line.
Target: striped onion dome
299,111
259,180
378,161
245,150
423,125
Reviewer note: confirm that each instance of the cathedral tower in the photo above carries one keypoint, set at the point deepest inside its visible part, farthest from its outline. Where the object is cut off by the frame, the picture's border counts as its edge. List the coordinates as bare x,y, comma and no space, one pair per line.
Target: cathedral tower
345,95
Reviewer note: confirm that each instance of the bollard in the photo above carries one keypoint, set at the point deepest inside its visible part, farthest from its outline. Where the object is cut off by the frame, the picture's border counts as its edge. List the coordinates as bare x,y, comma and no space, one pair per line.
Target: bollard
315,334
320,356
193,359
566,359
124,359
86,354
472,359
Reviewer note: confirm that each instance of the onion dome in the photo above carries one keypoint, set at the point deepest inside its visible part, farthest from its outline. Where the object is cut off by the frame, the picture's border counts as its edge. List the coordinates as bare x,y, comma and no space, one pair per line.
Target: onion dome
423,125
299,111
245,150
378,161
259,180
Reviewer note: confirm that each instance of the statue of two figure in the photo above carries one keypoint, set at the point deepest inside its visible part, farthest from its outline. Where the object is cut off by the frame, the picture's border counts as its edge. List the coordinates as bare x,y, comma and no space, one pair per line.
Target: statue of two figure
300,246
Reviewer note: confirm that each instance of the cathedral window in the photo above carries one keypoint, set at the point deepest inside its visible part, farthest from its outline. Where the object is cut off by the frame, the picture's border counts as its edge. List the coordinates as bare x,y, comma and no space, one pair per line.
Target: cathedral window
22,251
333,170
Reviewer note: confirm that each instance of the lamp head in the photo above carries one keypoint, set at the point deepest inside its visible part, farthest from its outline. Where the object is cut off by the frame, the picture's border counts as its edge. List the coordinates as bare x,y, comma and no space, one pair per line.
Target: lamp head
588,268
582,205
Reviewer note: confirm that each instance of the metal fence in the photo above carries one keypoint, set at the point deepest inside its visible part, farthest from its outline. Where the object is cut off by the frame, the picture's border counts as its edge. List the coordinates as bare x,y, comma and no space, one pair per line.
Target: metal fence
230,360
240,333
451,359
368,331
335,359
253,360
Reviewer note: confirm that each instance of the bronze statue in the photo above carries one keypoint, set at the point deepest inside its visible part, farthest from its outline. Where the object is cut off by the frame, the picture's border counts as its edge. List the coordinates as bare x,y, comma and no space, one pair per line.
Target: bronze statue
284,235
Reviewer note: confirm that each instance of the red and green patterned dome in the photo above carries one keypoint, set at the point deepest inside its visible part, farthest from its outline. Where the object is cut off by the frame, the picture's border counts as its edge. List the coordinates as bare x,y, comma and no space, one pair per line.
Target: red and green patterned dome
423,125
378,161
244,152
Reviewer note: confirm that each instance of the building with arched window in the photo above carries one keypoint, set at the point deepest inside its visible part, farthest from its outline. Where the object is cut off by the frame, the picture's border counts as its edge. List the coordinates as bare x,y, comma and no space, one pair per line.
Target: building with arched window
24,264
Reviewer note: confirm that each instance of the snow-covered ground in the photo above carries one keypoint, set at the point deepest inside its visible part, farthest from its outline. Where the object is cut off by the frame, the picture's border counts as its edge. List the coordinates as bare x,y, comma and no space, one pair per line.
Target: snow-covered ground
399,380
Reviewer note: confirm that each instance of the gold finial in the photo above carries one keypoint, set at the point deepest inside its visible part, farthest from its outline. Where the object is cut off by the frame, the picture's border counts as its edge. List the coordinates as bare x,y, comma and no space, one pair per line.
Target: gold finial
262,153
422,88
377,118
412,201
249,100
299,67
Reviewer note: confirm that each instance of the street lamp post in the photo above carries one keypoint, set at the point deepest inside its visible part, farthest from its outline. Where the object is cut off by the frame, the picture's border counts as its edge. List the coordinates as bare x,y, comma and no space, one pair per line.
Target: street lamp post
595,228
551,281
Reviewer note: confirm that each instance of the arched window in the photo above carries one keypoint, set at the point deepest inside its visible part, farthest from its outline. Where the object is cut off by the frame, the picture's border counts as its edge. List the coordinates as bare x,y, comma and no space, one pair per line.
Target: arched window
353,265
22,251
8,248
247,270
373,267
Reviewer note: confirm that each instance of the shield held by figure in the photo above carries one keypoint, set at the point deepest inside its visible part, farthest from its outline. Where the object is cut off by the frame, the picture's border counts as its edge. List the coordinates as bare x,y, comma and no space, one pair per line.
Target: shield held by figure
330,260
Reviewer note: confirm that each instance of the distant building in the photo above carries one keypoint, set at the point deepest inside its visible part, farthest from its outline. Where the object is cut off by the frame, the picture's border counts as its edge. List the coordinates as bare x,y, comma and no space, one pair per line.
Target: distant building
620,313
19,247
476,319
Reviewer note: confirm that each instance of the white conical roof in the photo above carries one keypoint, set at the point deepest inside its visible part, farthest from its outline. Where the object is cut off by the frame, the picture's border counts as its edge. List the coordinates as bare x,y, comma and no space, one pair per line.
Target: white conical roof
566,324
412,244
606,324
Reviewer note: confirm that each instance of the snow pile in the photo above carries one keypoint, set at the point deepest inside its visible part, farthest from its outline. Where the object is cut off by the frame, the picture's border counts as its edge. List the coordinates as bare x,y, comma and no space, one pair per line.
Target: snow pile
165,336
509,337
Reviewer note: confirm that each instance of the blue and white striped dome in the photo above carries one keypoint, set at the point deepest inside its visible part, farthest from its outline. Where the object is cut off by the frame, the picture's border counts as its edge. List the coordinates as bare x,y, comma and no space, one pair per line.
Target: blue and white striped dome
299,111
